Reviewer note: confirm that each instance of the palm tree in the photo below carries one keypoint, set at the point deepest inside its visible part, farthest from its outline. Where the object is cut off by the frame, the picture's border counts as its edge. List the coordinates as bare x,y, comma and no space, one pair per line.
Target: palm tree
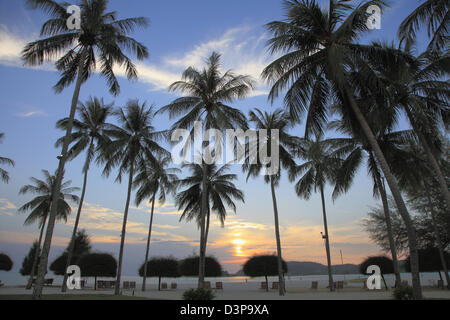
41,204
322,160
392,144
221,193
3,173
420,182
100,42
278,120
151,180
208,90
89,135
135,141
319,48
424,96
435,15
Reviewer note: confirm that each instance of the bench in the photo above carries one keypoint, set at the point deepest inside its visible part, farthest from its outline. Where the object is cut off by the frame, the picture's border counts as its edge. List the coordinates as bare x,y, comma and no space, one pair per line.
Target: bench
48,282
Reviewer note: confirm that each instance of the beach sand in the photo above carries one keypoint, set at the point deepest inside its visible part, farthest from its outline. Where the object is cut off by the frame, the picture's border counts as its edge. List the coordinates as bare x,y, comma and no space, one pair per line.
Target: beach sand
244,291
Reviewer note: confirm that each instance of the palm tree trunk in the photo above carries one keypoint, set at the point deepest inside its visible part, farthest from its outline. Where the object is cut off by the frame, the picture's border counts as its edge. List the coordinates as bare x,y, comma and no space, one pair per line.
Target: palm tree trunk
395,190
42,269
201,271
207,226
384,281
431,158
124,227
144,280
438,238
387,217
75,227
281,288
327,241
36,255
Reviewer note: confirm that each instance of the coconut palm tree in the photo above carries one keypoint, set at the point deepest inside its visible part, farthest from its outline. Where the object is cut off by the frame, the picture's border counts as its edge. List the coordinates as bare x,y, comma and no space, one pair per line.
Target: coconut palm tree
4,176
208,91
435,15
420,182
89,136
322,161
319,47
424,96
392,144
100,42
41,204
151,180
221,193
133,142
278,120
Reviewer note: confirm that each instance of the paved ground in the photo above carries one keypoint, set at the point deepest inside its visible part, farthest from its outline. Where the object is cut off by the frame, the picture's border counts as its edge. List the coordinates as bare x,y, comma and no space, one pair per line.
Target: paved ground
244,293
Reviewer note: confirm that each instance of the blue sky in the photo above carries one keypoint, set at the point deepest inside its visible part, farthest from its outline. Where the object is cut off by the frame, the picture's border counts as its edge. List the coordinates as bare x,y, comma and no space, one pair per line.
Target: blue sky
181,34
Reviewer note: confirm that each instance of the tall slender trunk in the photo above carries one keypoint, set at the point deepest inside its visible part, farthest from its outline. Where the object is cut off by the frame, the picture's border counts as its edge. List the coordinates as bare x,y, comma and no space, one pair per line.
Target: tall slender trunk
438,238
42,269
384,281
387,217
77,221
432,160
208,216
144,280
36,255
281,288
124,228
395,190
204,209
327,241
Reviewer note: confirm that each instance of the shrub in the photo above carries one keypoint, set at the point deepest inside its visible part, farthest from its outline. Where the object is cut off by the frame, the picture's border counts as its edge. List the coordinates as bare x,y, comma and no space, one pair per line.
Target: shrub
189,267
403,292
198,294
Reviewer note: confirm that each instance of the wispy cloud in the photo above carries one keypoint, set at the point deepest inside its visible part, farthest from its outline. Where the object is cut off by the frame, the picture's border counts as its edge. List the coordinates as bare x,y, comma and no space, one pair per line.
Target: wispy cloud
7,207
31,114
242,50
240,47
11,46
105,224
301,241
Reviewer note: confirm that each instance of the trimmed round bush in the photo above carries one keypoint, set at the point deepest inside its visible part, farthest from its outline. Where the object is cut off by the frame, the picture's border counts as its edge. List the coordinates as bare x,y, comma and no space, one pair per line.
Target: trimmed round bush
198,294
403,292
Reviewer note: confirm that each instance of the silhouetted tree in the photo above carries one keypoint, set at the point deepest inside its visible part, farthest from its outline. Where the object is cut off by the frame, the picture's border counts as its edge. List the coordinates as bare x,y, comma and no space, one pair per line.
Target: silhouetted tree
190,267
27,263
386,266
6,263
429,261
263,266
97,265
82,246
161,267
